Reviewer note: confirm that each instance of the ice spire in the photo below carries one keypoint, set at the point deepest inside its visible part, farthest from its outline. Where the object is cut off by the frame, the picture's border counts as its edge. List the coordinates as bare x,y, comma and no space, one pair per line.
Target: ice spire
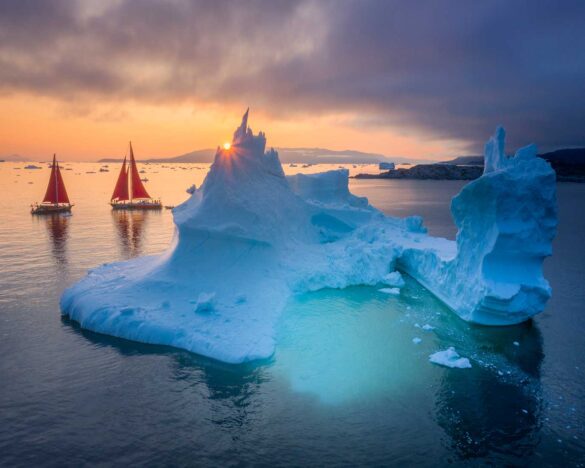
242,131
495,156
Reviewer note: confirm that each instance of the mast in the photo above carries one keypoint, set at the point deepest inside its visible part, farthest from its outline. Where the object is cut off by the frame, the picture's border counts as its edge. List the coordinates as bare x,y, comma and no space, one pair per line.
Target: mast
56,179
132,164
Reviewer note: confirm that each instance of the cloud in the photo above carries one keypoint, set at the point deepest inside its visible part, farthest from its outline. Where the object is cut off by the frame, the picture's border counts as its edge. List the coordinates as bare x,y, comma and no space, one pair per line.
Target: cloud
451,70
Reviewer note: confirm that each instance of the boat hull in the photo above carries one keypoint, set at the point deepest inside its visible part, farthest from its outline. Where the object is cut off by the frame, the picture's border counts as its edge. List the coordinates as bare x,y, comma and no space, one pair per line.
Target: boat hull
50,209
155,205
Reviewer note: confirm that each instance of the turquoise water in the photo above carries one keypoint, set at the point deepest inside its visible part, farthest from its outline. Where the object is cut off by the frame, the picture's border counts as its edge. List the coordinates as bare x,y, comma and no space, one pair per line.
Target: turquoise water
346,385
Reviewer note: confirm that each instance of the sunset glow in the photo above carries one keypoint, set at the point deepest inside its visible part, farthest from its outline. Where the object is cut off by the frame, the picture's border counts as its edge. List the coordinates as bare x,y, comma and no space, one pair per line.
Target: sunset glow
227,146
330,90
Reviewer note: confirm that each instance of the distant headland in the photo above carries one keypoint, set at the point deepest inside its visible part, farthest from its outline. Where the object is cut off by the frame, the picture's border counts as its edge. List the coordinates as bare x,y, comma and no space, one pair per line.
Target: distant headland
569,165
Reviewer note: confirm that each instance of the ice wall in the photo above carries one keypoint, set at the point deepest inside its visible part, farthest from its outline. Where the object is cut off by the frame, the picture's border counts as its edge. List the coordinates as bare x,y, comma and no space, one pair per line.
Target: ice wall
250,237
506,222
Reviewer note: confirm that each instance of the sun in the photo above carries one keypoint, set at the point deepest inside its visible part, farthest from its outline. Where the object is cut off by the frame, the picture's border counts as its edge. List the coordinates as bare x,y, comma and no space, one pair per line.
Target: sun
227,146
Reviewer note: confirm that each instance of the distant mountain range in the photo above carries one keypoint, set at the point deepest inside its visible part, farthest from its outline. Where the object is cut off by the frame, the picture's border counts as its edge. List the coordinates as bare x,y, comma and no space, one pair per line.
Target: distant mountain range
291,155
12,157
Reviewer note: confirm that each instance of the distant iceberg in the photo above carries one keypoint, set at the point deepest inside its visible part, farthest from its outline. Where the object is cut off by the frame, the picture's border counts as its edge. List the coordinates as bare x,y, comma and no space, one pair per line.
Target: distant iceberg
250,237
386,166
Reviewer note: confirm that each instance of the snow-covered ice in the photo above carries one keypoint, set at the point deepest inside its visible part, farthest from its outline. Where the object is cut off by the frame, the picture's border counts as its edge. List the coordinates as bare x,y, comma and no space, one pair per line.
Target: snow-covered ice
250,237
450,358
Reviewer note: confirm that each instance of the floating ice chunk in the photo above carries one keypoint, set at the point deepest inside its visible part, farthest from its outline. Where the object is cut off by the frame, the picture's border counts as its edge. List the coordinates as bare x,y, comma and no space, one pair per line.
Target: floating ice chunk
427,327
391,291
394,279
416,340
450,358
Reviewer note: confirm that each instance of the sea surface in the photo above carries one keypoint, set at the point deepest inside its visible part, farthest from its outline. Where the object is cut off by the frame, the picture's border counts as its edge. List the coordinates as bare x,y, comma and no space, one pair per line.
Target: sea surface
346,386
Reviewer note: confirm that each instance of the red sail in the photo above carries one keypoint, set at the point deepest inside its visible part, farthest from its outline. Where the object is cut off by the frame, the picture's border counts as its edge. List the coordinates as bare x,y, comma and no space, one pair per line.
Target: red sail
56,192
138,190
121,189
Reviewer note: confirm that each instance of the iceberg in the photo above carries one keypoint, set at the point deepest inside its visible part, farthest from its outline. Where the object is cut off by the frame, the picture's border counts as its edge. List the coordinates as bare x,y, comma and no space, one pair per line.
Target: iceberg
250,237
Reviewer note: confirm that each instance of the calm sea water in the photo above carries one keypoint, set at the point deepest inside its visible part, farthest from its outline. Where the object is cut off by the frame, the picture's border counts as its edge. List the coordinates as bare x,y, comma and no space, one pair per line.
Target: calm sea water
346,385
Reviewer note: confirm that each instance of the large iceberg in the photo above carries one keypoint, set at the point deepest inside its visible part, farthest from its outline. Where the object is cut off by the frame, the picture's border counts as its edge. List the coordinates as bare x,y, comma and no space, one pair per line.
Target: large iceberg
250,237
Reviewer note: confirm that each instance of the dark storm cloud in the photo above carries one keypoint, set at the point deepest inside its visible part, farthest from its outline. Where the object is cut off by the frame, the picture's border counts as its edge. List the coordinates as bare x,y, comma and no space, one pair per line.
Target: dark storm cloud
453,69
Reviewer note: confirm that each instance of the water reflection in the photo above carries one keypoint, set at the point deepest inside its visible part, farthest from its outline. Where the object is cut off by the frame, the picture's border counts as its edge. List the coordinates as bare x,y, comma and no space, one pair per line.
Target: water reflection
130,227
352,349
229,388
496,407
58,229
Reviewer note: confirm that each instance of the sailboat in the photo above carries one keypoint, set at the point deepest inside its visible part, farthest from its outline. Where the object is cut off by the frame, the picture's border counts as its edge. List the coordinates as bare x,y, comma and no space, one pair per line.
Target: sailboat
56,199
129,192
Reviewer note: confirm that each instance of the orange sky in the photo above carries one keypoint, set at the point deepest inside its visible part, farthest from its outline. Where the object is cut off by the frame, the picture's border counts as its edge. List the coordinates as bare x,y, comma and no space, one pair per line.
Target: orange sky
35,127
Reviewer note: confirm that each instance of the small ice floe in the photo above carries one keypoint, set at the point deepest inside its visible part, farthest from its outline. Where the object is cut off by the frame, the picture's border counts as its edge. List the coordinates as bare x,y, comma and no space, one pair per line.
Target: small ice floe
427,327
450,358
416,340
392,291
205,302
191,190
32,166
393,279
